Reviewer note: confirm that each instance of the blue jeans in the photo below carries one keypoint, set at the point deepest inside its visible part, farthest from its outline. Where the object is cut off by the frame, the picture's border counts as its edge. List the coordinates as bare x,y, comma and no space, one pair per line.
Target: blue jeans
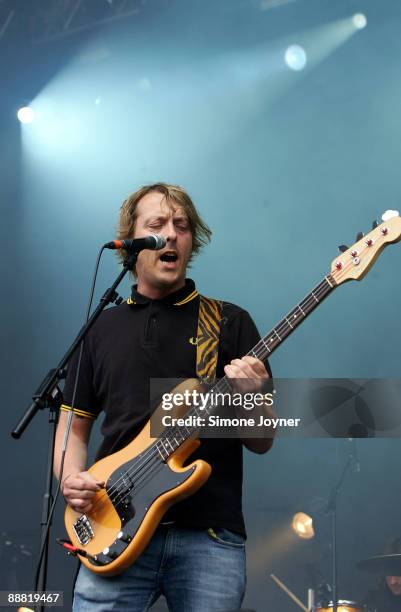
197,570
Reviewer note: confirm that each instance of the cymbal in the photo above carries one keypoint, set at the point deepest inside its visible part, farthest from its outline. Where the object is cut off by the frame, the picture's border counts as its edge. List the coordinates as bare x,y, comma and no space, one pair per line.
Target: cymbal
386,565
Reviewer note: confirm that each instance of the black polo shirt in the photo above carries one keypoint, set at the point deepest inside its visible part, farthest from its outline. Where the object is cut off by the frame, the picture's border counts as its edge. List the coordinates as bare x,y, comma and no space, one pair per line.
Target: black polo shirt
143,339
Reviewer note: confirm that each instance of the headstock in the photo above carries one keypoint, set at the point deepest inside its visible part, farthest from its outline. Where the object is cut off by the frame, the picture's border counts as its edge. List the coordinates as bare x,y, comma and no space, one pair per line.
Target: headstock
355,261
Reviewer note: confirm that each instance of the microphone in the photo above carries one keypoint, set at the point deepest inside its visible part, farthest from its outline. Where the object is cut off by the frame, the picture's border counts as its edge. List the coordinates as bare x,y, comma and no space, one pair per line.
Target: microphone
134,245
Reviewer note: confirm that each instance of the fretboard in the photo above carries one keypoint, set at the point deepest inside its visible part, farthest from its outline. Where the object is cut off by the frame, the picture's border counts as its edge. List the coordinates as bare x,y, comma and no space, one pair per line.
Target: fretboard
173,437
290,322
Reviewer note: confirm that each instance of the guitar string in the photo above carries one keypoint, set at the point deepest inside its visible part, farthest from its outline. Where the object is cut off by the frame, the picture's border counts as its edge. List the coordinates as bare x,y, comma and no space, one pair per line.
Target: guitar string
153,450
146,476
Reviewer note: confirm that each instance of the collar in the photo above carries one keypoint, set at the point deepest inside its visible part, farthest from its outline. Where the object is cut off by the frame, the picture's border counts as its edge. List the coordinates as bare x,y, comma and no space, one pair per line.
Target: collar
178,298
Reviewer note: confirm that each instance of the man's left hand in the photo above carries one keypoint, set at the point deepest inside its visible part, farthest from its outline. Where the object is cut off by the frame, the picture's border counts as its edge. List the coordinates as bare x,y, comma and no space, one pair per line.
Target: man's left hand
250,370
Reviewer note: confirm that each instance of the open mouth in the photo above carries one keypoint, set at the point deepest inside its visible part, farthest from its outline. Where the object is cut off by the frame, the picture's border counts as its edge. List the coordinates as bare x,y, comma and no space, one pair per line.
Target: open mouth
169,257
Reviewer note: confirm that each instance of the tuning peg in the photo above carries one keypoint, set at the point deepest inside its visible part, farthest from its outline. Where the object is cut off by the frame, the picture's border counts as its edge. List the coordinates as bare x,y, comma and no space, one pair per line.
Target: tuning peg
342,248
375,224
359,236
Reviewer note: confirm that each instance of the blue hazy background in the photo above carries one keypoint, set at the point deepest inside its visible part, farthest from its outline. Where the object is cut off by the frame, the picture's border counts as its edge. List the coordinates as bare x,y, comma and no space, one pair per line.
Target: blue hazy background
283,165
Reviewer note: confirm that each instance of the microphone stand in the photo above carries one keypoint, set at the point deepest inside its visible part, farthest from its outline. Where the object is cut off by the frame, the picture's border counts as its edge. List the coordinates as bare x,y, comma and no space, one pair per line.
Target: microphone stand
331,508
48,395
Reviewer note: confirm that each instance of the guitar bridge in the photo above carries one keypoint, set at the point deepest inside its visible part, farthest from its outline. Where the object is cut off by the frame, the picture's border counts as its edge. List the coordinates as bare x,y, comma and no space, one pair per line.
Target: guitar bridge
83,530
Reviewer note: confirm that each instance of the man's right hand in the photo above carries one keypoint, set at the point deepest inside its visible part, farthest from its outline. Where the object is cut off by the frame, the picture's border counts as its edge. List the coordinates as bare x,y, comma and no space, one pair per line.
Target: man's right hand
80,489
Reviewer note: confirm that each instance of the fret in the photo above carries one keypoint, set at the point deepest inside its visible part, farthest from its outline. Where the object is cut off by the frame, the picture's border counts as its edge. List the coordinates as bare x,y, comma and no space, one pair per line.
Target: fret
183,435
223,383
172,447
296,313
327,279
263,340
308,305
289,323
161,454
164,447
277,334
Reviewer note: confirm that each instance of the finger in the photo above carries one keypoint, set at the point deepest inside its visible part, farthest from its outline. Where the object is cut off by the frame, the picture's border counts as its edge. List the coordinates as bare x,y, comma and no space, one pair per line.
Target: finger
79,505
91,478
254,368
83,509
80,481
244,367
89,482
257,365
80,486
233,371
79,493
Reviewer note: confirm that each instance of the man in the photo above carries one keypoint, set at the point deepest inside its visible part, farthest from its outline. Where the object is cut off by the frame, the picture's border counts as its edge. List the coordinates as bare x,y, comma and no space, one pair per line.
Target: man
196,558
387,596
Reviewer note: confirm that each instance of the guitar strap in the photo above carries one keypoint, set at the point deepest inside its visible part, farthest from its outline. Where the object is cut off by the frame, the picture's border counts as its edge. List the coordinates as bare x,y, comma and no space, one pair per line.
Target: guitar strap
207,340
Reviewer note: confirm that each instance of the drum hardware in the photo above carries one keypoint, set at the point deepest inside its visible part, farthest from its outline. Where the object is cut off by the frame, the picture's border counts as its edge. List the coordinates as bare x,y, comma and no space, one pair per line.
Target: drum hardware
342,606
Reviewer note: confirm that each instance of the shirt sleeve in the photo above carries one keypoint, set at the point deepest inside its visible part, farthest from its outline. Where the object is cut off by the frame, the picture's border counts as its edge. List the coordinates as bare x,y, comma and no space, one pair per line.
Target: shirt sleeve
84,403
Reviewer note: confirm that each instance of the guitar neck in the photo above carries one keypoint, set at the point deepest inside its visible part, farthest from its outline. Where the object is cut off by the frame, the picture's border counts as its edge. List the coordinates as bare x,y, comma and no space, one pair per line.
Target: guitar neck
173,437
268,344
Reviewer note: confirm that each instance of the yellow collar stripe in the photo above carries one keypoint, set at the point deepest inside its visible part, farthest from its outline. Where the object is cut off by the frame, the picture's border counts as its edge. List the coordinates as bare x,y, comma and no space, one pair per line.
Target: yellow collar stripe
189,298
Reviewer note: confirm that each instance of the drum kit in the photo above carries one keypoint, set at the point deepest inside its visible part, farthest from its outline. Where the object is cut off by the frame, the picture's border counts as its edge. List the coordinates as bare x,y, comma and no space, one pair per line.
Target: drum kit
381,565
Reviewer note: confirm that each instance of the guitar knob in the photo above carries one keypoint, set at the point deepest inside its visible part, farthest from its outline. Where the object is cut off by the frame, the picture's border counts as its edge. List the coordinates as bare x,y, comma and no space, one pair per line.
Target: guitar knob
375,224
359,236
342,248
124,537
109,553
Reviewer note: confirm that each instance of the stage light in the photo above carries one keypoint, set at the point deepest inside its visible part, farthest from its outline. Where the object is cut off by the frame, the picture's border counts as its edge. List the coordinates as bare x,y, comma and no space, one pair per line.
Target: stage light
295,57
26,114
360,21
302,525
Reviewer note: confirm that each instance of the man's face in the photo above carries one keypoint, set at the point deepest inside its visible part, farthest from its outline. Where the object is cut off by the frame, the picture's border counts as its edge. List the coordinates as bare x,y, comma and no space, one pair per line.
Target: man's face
162,272
394,584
